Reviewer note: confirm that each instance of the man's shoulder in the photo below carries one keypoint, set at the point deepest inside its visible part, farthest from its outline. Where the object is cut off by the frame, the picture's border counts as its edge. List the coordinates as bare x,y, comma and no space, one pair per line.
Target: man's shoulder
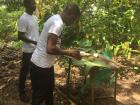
56,16
54,20
53,17
34,16
23,17
57,19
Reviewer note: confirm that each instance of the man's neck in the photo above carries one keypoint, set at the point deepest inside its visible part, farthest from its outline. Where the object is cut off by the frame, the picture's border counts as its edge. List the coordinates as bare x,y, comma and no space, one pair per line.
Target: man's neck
63,17
28,12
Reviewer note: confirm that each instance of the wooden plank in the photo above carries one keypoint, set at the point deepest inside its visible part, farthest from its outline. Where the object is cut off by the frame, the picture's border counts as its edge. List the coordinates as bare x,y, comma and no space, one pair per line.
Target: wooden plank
115,87
92,75
65,96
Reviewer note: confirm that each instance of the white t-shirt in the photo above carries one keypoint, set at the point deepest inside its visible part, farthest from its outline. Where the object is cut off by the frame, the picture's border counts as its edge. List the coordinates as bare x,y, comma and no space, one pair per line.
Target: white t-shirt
40,57
29,24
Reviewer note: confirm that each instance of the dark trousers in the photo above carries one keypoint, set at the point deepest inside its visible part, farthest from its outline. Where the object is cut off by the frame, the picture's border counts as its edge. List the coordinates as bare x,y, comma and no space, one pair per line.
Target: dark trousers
42,85
25,68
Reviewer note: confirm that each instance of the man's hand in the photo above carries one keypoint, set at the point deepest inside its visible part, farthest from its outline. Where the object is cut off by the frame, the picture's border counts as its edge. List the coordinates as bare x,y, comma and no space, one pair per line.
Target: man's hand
74,53
34,42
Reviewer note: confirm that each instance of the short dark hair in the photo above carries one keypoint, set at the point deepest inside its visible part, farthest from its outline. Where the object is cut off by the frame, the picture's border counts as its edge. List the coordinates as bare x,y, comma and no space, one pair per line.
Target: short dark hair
26,2
74,8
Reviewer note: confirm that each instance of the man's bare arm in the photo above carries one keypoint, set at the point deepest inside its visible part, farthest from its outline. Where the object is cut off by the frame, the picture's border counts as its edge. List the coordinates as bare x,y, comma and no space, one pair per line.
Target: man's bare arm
21,36
53,49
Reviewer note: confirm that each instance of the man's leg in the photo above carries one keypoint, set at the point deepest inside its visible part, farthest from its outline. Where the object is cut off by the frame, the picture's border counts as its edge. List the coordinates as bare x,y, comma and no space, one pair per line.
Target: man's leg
50,87
23,75
41,85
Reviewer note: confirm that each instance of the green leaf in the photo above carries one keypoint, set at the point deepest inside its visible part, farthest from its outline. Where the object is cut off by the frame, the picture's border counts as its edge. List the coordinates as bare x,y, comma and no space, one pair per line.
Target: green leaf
89,64
102,75
86,85
85,43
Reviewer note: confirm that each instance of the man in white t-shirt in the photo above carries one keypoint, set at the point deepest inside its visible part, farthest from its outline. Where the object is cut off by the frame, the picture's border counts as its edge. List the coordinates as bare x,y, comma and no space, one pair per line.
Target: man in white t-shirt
48,48
28,32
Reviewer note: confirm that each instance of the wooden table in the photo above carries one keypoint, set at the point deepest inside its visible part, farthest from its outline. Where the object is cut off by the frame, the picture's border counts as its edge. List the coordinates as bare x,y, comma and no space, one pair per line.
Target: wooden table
92,75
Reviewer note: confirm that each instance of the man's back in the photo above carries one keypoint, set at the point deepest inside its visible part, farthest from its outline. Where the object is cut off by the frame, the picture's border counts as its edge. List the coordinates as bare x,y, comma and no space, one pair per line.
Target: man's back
40,57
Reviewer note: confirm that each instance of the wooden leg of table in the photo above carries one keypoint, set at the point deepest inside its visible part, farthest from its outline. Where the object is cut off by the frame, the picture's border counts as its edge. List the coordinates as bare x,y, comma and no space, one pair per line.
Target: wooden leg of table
115,87
69,76
93,94
92,76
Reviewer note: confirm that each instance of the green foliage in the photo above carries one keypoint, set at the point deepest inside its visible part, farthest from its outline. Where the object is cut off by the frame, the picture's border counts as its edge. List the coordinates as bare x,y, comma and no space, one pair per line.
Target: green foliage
8,22
15,44
13,5
103,75
102,22
100,68
88,65
12,44
107,52
111,22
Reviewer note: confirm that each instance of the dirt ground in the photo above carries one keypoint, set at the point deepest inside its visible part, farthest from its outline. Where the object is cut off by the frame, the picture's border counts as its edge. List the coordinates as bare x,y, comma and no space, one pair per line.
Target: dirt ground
128,90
